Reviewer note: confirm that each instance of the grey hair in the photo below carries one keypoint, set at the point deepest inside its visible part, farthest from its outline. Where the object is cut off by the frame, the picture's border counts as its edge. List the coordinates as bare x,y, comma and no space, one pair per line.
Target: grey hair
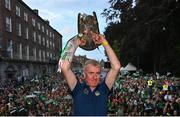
92,62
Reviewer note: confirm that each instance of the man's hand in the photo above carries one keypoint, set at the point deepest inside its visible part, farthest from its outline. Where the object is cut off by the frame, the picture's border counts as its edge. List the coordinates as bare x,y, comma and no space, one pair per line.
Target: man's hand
98,38
81,41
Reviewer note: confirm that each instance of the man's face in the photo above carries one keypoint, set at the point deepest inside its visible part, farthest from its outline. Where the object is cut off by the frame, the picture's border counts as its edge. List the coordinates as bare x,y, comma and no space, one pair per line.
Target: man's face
92,75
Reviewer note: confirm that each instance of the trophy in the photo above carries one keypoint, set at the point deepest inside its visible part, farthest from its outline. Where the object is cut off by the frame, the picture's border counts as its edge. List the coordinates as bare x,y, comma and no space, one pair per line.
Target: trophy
88,23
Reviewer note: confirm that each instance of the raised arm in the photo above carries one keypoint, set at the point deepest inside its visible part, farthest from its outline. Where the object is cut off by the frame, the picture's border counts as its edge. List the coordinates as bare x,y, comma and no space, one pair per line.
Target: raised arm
114,62
66,59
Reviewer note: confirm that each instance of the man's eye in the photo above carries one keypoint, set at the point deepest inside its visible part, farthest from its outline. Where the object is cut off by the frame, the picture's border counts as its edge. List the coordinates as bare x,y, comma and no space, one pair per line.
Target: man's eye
90,73
98,73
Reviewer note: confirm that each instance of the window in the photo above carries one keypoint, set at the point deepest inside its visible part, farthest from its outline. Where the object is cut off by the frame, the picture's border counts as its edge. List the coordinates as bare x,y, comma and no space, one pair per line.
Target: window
53,45
50,34
18,11
44,56
34,53
43,39
10,45
33,22
26,33
34,36
47,54
27,52
25,16
47,43
39,55
43,29
20,51
10,48
50,55
53,35
39,26
18,28
39,38
8,24
50,44
47,32
8,4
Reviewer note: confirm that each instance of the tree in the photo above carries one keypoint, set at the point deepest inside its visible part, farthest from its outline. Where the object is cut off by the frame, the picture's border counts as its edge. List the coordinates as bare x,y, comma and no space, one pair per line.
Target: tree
145,33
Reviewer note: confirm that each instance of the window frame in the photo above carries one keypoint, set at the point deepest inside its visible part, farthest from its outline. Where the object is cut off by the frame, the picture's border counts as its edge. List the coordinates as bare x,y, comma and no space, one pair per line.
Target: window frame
18,10
26,16
18,29
8,4
8,24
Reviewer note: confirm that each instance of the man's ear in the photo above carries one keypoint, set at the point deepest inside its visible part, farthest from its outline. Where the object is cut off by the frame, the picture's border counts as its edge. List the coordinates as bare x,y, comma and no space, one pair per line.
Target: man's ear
84,71
83,74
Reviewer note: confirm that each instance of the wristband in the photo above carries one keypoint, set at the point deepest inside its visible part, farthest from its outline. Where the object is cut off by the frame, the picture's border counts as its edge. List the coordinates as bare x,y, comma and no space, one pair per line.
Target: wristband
105,43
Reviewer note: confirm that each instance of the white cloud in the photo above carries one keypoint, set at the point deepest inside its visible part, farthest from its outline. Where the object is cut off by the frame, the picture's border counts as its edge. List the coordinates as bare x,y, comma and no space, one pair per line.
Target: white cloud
50,15
67,30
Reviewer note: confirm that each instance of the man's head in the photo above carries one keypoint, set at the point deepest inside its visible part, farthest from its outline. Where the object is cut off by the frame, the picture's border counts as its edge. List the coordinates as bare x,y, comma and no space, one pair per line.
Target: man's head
92,72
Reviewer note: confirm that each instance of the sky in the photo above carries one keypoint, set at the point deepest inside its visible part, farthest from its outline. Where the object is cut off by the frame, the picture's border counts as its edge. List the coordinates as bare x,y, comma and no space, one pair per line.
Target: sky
62,15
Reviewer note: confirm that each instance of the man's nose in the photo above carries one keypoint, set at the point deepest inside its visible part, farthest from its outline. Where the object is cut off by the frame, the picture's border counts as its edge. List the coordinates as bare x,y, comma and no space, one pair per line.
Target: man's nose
96,76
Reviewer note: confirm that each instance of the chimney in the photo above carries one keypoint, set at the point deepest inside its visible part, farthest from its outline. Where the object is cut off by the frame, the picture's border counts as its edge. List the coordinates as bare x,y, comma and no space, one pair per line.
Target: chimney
36,11
47,21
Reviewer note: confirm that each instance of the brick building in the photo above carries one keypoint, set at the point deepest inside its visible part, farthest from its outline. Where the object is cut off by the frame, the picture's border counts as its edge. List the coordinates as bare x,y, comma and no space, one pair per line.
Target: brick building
29,46
79,61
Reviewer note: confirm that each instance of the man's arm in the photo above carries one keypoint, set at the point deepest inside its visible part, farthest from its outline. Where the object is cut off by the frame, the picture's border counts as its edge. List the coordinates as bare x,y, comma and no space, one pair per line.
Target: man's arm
66,59
115,65
114,62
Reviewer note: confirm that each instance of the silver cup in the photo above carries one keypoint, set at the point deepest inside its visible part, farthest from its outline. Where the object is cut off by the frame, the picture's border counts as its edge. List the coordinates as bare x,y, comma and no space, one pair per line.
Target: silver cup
88,23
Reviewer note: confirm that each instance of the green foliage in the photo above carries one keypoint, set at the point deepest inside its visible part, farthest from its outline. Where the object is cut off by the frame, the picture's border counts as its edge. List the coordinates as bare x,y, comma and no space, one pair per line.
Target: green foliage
145,33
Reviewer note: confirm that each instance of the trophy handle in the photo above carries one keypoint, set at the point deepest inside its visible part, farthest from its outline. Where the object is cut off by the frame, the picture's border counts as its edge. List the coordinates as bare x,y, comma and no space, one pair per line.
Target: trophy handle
78,23
97,24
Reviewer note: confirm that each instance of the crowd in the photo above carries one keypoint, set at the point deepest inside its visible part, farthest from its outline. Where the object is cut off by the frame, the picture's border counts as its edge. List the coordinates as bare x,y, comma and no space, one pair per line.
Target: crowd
131,96
145,96
45,96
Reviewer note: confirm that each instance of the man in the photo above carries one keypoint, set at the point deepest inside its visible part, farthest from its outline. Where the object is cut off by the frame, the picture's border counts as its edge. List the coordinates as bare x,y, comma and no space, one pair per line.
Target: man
90,97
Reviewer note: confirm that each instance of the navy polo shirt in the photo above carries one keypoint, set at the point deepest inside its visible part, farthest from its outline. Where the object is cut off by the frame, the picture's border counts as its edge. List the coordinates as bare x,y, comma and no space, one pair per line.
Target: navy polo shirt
90,103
